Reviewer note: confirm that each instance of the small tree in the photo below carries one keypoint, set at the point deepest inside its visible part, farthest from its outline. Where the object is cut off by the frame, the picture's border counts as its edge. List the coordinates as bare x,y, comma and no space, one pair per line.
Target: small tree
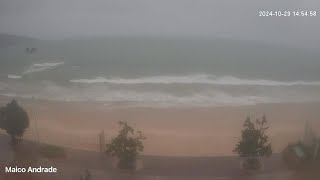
254,142
126,146
14,120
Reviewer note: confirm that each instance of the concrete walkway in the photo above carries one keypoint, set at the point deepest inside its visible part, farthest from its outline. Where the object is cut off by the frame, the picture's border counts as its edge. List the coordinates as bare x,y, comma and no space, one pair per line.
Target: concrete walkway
154,167
167,168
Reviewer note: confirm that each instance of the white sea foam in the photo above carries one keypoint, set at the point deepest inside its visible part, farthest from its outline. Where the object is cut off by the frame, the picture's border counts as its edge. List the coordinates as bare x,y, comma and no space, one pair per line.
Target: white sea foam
204,96
168,100
151,99
52,91
123,97
195,79
13,76
42,67
48,64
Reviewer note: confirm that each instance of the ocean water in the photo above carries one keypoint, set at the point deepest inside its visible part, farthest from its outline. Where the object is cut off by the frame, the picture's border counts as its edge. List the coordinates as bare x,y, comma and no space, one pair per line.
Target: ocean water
159,72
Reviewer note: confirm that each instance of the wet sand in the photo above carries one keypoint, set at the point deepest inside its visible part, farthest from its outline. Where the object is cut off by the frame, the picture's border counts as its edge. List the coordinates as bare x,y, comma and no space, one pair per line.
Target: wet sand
170,131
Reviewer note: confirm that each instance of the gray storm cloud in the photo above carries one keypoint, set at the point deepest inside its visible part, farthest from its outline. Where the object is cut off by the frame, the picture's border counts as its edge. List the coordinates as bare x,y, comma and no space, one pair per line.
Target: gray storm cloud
201,18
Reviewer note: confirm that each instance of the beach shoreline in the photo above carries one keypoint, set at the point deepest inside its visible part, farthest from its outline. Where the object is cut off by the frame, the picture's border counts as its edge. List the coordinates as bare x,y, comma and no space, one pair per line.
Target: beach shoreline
194,131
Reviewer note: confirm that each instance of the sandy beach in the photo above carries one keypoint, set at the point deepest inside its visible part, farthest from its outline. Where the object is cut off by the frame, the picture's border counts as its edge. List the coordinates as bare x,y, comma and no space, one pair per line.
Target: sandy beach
169,131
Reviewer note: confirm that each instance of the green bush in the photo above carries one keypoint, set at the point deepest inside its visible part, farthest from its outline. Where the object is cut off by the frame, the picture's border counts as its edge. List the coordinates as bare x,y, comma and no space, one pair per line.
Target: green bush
126,146
254,142
14,119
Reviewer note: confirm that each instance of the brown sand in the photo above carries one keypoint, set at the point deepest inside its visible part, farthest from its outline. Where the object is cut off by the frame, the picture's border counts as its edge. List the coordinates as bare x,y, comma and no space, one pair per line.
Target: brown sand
169,132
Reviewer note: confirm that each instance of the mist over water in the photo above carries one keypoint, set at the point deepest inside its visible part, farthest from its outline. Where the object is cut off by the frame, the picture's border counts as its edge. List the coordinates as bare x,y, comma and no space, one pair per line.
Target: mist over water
160,73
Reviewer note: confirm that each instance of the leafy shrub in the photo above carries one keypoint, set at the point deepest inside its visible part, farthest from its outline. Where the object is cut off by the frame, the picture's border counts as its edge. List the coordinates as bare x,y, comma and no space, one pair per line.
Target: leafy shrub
254,142
14,119
126,146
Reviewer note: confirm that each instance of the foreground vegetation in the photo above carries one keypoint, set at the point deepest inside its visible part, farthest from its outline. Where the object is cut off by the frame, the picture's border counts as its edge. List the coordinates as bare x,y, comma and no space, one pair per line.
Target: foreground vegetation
14,120
126,146
254,143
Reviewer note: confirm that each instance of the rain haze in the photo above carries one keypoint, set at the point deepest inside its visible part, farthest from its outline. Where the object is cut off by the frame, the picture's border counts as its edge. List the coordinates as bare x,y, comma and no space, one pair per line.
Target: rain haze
204,18
218,89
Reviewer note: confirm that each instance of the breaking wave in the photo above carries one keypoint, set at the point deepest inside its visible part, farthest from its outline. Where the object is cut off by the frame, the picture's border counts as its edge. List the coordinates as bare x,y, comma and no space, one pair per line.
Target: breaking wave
145,99
42,67
13,76
194,79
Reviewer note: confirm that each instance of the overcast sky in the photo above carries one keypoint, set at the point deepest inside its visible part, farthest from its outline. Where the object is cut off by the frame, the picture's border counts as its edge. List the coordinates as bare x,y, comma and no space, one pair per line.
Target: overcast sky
238,19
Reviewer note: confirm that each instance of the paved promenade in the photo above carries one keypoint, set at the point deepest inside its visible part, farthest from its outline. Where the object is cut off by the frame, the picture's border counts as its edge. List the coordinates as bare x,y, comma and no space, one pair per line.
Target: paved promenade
155,167
169,168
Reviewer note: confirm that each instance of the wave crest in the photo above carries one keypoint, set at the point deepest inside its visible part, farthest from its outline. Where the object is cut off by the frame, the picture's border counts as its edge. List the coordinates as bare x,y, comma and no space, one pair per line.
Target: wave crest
194,79
42,67
13,76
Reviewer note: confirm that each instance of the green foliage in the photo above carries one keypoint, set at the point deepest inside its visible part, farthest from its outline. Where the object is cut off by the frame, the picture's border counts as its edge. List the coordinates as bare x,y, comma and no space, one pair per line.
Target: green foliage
297,156
14,120
51,151
126,146
254,141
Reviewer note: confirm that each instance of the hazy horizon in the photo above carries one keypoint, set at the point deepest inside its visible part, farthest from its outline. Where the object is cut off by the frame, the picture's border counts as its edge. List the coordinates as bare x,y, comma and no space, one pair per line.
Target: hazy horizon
212,89
179,18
